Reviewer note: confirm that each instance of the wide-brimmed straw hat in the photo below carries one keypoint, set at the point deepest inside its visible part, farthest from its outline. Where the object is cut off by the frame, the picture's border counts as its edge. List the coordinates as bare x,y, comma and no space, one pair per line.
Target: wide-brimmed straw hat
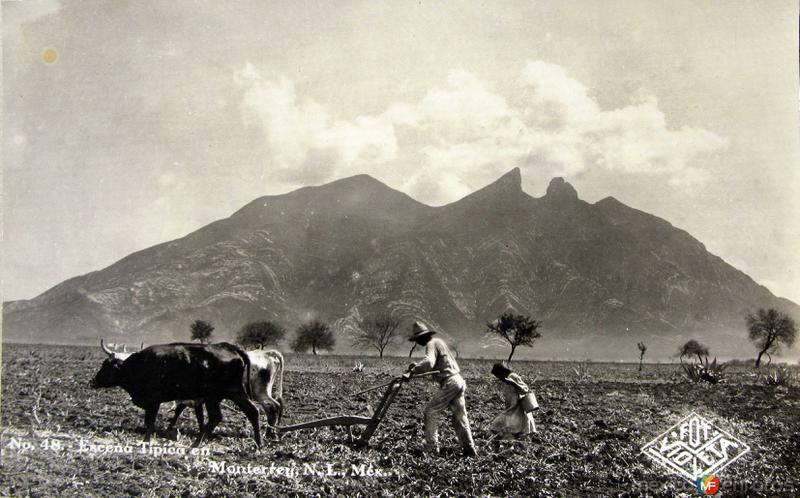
501,371
418,330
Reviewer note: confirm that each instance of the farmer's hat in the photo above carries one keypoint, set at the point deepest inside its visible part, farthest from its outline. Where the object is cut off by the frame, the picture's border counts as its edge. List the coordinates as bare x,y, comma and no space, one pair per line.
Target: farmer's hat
418,330
500,371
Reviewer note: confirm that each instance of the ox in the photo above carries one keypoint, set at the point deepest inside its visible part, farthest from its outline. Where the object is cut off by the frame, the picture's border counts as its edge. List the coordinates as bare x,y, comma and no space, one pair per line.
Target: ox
170,372
180,404
266,373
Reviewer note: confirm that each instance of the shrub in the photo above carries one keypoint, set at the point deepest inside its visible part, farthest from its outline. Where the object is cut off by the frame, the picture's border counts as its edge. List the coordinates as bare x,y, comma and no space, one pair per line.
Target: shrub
260,334
704,371
778,376
201,331
313,335
517,330
582,370
768,330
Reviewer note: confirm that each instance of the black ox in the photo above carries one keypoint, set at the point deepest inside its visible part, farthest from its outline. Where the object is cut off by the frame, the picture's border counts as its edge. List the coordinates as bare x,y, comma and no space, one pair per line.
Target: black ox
266,373
178,371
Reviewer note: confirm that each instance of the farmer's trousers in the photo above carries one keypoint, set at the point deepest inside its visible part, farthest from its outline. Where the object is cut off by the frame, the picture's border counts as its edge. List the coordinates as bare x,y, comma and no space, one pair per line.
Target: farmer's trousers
450,394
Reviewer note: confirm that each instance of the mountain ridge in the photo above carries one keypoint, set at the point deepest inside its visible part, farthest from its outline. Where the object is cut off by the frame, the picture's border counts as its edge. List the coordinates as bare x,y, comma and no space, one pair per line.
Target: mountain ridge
355,246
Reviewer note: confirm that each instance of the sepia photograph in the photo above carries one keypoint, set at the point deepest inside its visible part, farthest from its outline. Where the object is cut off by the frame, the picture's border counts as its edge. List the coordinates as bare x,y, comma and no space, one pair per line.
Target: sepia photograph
400,248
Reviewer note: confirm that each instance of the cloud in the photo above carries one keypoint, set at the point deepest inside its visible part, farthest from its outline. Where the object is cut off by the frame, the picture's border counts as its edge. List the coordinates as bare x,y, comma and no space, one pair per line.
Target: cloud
570,130
553,99
463,134
305,141
464,111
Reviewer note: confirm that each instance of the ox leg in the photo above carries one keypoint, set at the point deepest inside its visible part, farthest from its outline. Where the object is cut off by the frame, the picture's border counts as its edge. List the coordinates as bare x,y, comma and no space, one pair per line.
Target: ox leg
280,410
198,412
150,414
251,411
272,408
214,418
172,429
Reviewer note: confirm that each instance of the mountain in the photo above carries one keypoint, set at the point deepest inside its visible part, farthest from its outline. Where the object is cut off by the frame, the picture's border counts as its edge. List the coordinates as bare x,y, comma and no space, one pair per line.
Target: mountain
599,276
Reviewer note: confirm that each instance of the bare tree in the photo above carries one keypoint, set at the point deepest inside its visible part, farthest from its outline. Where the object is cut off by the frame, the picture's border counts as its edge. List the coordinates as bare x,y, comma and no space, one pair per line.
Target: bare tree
517,330
201,331
260,334
314,335
692,347
376,332
768,329
642,349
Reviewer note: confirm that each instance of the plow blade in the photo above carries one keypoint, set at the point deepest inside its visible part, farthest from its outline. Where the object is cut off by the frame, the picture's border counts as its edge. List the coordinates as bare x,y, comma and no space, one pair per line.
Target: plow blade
371,423
344,420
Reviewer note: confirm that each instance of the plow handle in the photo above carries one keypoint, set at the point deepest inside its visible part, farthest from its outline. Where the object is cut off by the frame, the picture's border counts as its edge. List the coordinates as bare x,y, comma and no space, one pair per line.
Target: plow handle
396,379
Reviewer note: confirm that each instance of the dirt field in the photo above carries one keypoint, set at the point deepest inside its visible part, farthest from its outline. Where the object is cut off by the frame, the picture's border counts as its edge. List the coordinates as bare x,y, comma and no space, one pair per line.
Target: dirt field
59,437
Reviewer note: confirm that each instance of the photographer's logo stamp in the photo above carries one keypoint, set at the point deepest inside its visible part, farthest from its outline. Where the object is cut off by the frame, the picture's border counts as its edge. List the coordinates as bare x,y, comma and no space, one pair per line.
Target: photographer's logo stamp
695,448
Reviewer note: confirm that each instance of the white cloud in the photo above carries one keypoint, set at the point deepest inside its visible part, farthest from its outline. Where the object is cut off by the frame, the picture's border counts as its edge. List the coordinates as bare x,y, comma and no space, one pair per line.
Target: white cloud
464,111
636,139
554,100
304,140
464,134
572,132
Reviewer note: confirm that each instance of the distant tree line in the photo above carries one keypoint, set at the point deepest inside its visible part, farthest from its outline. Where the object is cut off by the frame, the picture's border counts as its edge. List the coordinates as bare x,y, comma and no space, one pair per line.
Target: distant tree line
768,329
314,335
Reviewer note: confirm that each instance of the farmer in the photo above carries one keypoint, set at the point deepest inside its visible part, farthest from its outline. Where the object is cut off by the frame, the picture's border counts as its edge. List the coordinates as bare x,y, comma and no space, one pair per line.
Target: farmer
514,422
449,395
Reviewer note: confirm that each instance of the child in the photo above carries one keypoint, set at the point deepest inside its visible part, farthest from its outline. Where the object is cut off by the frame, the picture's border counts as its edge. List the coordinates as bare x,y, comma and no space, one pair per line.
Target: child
513,422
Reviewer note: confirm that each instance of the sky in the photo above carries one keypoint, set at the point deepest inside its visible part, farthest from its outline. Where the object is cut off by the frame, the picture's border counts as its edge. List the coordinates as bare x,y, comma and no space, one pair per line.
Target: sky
130,123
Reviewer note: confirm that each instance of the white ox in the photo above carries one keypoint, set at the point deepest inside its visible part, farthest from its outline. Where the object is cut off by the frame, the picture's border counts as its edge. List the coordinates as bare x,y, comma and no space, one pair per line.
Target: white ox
266,373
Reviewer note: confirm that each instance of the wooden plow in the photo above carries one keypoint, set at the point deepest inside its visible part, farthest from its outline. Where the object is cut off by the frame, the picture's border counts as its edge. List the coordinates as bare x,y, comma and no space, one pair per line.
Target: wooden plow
371,423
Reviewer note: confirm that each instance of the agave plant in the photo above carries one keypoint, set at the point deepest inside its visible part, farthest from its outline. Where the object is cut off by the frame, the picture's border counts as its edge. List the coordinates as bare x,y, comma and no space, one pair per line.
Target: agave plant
581,370
778,376
705,371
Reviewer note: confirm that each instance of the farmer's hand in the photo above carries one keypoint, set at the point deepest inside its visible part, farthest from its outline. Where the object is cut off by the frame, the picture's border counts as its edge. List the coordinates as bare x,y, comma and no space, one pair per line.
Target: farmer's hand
406,376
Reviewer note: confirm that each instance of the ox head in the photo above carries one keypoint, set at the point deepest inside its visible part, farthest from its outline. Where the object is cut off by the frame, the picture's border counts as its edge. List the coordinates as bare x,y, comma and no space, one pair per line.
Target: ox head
110,373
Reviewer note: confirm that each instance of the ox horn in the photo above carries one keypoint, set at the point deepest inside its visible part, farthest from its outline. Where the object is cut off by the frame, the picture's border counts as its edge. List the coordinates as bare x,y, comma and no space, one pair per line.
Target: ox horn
141,346
105,349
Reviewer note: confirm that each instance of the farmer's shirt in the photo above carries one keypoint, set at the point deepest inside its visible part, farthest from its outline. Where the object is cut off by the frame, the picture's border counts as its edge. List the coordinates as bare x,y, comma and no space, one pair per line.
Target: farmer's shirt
438,357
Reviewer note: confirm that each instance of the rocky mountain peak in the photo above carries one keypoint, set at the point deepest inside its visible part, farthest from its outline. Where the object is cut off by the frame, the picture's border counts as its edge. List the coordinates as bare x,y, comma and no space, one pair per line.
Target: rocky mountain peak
505,188
511,181
488,206
362,181
561,189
